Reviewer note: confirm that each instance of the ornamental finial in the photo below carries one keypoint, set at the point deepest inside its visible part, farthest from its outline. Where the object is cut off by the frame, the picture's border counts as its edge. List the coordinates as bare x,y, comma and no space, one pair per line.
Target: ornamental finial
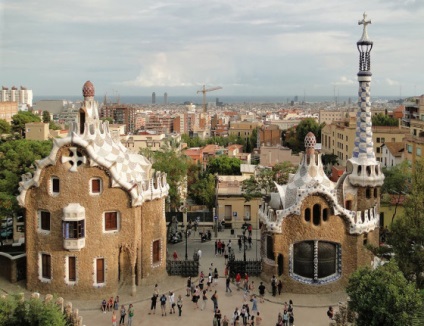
364,22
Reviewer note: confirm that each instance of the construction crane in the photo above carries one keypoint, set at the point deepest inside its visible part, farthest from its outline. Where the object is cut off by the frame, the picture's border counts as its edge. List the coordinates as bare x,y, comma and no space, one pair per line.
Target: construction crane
204,90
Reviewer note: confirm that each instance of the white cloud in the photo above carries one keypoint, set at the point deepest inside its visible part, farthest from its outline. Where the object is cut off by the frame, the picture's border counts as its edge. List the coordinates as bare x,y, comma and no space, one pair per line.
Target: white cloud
245,46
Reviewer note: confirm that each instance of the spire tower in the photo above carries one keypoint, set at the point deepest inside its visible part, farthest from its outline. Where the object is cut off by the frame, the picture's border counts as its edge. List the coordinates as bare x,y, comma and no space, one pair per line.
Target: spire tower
364,168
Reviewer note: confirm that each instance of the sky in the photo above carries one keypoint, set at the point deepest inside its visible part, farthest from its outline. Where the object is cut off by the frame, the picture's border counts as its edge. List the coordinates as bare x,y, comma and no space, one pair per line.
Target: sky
263,48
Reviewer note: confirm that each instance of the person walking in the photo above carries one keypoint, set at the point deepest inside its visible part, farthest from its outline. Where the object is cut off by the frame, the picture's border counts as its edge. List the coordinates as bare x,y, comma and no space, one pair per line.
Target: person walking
180,305
238,279
254,304
239,243
214,299
163,304
123,314
154,299
130,314
171,300
204,299
279,286
258,319
188,288
261,292
215,277
114,318
216,247
274,285
227,285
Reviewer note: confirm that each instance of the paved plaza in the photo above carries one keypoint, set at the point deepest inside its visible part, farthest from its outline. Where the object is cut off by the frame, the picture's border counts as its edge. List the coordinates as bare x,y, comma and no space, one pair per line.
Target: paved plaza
309,310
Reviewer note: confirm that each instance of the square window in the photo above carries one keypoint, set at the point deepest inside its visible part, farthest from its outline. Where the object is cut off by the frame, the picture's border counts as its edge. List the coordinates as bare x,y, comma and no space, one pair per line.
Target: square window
96,186
45,220
55,185
46,266
156,251
111,221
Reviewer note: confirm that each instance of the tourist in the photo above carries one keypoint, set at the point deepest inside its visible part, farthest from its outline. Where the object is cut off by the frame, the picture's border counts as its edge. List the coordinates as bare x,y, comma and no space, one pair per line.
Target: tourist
261,292
209,282
196,297
154,299
188,288
330,312
254,304
179,305
204,300
285,318
214,299
110,304
258,319
199,254
279,286
239,243
274,285
201,281
123,314
216,247
104,306
215,277
175,255
163,304
291,318
171,300
225,321
227,285
114,318
116,303
218,316
238,279
130,314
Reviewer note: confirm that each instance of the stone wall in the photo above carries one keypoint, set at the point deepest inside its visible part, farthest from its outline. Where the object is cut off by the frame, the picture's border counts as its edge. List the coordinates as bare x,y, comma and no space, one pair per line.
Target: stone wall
296,229
153,227
119,249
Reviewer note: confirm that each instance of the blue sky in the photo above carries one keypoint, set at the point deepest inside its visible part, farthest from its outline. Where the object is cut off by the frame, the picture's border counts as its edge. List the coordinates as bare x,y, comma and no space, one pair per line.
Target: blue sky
267,47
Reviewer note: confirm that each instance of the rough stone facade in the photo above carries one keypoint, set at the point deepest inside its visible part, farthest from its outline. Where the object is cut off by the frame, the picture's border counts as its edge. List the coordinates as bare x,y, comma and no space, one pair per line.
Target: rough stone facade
72,247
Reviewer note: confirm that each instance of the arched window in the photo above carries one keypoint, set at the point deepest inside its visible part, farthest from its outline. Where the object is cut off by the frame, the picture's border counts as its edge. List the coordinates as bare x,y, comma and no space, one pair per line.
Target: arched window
316,261
368,193
270,247
325,214
308,215
359,169
82,120
369,170
280,264
375,192
316,214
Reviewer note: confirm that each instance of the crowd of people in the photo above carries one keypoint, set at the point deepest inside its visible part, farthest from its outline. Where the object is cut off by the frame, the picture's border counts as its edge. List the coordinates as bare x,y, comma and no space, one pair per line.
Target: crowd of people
113,306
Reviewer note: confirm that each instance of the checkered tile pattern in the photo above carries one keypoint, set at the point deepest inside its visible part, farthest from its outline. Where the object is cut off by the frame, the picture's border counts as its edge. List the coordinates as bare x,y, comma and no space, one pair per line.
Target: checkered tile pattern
363,139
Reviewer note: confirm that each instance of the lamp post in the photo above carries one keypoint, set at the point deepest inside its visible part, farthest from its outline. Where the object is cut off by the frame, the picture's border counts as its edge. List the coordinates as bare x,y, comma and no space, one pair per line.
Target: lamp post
186,236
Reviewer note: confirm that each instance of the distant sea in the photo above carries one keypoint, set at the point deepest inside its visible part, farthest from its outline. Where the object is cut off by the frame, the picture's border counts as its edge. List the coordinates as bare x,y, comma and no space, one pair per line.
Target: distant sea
224,99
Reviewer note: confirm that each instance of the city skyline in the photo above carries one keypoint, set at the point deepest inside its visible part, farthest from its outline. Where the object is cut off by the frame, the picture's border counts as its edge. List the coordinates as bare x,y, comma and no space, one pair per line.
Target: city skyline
270,48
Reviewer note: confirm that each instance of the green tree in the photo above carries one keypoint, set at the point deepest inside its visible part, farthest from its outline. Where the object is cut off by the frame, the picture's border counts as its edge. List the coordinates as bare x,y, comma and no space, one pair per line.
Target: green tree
109,119
264,182
17,158
224,165
203,191
294,138
383,297
54,126
19,120
4,127
381,119
30,312
406,234
175,165
46,116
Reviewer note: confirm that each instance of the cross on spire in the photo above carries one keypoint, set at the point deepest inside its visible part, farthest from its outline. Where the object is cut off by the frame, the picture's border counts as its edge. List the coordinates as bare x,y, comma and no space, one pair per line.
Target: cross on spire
364,22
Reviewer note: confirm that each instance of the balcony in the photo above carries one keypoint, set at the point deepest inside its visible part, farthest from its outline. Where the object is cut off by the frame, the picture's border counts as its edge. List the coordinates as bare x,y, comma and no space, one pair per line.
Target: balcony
74,244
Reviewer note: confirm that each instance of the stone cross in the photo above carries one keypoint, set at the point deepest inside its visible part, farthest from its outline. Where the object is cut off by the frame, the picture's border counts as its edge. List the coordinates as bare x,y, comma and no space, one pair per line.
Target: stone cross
75,159
364,22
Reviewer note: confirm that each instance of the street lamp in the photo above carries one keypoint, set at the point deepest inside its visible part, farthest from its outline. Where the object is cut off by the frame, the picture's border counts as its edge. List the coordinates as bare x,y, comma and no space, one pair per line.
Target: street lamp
186,236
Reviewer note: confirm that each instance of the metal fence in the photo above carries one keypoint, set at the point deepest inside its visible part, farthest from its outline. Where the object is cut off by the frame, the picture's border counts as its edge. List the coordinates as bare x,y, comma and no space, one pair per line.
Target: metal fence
250,266
183,267
204,217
